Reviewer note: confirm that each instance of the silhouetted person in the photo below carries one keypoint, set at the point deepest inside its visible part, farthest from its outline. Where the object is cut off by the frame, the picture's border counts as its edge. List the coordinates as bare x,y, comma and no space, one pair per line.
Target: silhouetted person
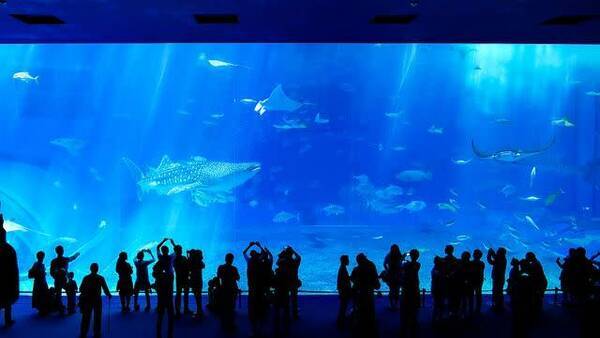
257,286
497,259
477,276
59,268
228,276
464,276
71,291
391,275
566,274
162,272
365,281
196,264
90,300
9,276
290,260
182,281
410,295
344,289
451,281
39,296
534,269
125,281
142,282
437,289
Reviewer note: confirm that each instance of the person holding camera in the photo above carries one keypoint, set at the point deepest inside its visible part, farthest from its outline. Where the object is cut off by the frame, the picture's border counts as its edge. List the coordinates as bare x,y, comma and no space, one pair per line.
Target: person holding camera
142,282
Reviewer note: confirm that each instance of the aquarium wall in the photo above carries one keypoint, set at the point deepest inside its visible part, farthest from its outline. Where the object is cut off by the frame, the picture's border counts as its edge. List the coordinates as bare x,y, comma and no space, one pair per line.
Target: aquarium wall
333,149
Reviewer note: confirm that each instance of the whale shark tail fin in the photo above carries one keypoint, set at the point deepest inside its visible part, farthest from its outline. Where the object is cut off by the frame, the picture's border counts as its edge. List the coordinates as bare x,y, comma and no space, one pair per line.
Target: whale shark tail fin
478,151
136,173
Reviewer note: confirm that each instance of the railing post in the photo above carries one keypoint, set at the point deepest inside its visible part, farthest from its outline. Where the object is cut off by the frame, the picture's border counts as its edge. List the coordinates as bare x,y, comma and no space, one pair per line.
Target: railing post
423,297
555,295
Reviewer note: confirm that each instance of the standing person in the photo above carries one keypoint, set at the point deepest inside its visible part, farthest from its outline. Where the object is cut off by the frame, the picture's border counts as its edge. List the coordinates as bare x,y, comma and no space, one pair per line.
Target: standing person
451,281
39,296
365,281
59,268
290,260
163,275
410,295
344,288
71,291
464,276
9,270
196,263
257,286
477,276
125,282
182,281
90,300
392,274
228,276
142,282
437,289
497,259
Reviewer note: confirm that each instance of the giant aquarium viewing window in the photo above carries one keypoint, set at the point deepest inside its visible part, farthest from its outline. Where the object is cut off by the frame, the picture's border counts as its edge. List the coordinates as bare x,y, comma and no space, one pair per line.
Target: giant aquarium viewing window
333,149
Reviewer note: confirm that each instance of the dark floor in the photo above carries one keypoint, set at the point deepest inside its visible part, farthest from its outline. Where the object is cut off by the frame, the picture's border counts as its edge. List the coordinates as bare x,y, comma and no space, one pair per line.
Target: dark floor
317,320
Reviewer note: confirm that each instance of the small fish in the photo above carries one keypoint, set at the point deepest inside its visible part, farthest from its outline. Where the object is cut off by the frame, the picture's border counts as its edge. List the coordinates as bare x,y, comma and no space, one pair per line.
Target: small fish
102,224
532,222
435,130
453,192
550,199
463,237
378,237
530,198
446,206
320,120
508,190
592,93
95,174
286,217
380,147
68,240
217,116
462,162
503,121
413,206
209,123
477,68
25,77
481,206
183,112
398,148
454,203
75,207
248,101
450,223
219,64
72,145
333,210
414,175
253,203
290,124
564,122
394,115
532,175
511,228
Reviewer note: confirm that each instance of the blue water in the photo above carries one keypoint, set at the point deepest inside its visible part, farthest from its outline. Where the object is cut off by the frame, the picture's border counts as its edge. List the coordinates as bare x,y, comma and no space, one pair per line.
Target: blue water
382,109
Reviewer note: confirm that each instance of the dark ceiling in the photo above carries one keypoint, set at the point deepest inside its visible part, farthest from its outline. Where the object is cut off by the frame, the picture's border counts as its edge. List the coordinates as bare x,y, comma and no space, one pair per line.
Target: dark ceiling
511,21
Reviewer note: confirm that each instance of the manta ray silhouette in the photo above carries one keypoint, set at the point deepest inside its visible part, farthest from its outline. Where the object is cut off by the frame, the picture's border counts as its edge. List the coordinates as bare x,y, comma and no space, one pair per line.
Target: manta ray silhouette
509,155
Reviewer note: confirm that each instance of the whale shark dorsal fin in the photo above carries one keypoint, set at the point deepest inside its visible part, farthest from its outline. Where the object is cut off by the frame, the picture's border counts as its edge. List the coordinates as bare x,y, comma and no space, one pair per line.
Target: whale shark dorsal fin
164,162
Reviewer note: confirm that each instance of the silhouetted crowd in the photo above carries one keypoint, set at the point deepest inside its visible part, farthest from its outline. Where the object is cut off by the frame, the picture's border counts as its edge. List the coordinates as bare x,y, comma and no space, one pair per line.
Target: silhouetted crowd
273,284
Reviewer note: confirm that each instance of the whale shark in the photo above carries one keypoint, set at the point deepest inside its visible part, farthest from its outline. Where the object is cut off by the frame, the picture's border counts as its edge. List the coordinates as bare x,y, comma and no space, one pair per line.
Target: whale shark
207,181
277,101
509,155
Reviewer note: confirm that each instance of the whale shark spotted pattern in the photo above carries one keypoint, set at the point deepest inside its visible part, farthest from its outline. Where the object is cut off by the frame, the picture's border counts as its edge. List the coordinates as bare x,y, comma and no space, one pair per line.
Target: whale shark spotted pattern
208,181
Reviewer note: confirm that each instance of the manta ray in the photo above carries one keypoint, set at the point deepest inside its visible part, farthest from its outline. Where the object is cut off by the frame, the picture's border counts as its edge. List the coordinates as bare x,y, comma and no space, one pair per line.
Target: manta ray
509,155
277,101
